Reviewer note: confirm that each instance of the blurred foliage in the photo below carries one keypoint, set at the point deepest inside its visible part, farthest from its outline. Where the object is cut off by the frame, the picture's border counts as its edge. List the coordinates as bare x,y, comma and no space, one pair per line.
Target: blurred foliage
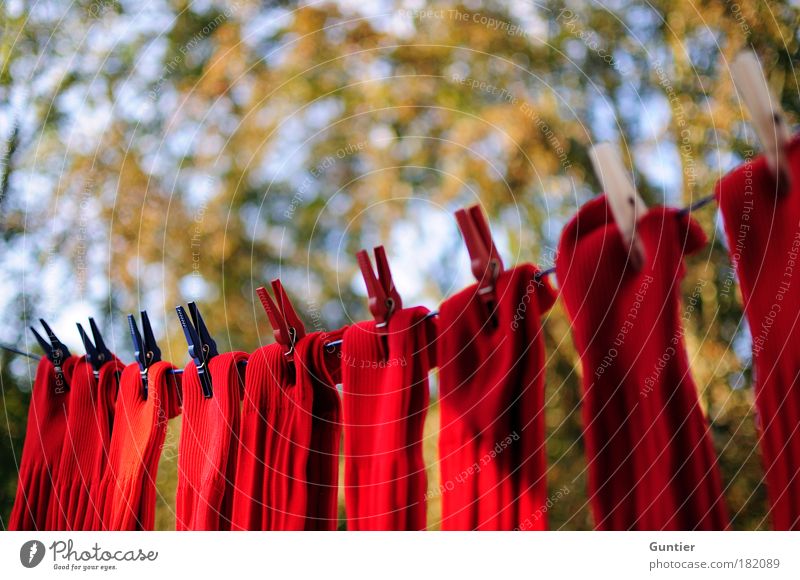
166,150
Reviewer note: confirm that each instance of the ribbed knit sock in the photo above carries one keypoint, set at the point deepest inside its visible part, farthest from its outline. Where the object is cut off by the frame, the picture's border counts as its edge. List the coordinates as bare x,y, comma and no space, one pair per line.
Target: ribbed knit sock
209,445
264,408
361,392
305,483
288,493
491,383
41,452
385,396
319,367
650,458
127,492
763,232
84,456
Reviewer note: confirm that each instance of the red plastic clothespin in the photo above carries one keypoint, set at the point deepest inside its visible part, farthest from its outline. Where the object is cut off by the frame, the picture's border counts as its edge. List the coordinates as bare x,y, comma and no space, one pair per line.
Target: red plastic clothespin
383,296
485,259
286,325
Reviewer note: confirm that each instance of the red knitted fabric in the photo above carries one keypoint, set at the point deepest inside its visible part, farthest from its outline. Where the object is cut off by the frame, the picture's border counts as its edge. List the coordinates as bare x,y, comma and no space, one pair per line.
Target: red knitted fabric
306,474
84,456
763,231
319,368
361,402
288,493
265,405
128,490
385,396
209,445
650,458
41,452
491,374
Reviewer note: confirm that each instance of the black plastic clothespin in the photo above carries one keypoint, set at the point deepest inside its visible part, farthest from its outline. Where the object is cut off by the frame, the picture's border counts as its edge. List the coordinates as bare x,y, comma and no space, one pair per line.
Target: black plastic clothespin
55,350
383,296
485,260
286,325
145,351
97,354
202,347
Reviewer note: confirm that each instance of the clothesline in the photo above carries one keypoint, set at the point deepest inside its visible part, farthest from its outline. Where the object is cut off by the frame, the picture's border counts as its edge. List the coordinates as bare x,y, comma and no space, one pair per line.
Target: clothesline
702,202
20,352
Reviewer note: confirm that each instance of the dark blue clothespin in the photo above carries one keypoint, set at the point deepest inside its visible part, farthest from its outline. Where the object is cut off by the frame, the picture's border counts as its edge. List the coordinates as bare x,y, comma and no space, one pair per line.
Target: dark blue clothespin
54,350
202,347
97,354
145,351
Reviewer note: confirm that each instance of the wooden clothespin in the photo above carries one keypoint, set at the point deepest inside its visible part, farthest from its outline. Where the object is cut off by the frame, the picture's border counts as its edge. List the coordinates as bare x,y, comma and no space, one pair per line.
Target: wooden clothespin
286,325
626,205
484,258
766,112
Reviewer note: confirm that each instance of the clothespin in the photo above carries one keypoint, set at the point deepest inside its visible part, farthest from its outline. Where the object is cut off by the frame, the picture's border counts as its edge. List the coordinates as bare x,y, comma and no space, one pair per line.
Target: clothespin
97,354
286,325
626,205
145,351
766,111
54,350
383,296
485,260
202,348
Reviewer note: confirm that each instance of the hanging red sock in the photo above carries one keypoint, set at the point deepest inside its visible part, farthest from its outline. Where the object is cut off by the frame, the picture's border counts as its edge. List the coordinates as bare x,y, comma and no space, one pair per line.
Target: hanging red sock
309,436
651,462
763,231
288,495
209,445
127,492
491,383
108,392
420,362
385,394
41,452
264,408
402,481
290,492
361,392
86,441
319,369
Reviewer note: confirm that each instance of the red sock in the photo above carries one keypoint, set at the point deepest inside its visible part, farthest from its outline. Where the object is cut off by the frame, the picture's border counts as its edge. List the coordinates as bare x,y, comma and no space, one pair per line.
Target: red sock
127,492
85,451
287,495
208,445
319,367
306,482
385,395
264,408
41,453
361,392
763,231
651,462
491,375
